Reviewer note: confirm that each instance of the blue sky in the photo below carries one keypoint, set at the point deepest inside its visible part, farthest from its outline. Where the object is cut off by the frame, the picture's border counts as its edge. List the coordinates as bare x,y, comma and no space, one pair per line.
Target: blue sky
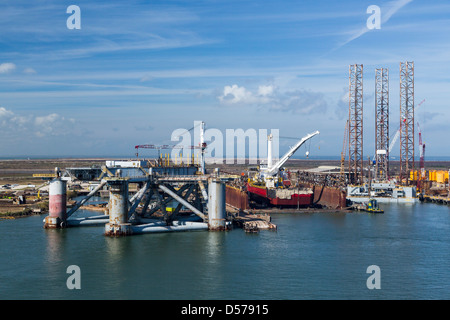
138,70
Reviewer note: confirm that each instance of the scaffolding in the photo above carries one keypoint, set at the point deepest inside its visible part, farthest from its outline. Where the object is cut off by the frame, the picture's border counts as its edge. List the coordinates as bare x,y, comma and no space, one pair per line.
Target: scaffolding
406,120
382,124
355,126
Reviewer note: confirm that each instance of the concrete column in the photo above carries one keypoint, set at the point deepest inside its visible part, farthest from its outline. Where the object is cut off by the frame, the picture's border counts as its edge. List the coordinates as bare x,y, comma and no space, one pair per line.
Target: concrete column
118,209
57,204
216,204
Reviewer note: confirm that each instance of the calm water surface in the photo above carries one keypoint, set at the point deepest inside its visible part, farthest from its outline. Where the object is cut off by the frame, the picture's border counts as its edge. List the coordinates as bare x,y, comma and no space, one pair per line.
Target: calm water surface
310,256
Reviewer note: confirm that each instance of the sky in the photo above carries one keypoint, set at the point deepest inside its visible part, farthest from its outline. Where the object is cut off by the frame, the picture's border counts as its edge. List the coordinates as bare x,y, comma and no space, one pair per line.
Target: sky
138,70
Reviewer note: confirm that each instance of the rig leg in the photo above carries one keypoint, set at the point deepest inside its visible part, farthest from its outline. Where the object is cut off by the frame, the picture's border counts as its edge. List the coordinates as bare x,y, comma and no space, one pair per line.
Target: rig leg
216,205
118,209
57,217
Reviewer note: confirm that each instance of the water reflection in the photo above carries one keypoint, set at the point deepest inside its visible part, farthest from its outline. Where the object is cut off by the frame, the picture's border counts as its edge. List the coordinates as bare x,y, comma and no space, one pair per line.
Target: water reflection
309,256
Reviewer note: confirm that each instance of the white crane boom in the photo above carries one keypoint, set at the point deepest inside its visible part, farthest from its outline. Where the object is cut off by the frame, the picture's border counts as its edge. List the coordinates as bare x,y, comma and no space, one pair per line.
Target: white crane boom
394,140
273,170
397,134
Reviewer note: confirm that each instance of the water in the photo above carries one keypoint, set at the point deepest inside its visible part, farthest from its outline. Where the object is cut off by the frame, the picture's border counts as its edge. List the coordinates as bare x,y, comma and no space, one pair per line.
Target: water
310,256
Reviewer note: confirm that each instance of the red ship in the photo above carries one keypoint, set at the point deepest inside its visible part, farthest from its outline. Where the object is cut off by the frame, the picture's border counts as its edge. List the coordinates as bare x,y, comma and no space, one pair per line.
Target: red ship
280,197
262,189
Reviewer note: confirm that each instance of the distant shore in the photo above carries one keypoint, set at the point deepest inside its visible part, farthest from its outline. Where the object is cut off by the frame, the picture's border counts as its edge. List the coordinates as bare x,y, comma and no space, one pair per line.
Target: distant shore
21,170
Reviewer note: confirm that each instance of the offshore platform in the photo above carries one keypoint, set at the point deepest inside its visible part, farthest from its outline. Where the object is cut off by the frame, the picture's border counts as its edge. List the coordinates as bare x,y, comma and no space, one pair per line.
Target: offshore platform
378,180
172,188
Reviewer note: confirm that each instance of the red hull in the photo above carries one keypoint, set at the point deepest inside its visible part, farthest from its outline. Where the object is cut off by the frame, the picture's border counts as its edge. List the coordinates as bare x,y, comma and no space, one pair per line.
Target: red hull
296,199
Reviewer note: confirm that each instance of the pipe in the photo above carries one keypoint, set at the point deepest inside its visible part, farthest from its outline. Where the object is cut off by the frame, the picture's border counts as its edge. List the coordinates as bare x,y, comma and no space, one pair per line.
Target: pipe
87,222
184,202
83,201
203,189
162,227
137,199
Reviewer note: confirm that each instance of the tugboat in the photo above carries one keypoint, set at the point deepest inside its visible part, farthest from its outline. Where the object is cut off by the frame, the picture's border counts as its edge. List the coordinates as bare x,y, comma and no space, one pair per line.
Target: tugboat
372,207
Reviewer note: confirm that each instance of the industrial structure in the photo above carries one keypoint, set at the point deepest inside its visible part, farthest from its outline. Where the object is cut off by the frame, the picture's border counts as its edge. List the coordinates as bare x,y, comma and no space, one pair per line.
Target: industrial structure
355,125
382,124
406,119
169,189
172,188
267,186
149,196
165,186
382,184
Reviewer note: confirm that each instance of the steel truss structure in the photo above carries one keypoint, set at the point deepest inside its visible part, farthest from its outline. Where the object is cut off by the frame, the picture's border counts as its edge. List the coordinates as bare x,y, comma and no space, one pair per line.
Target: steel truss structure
355,125
406,119
382,123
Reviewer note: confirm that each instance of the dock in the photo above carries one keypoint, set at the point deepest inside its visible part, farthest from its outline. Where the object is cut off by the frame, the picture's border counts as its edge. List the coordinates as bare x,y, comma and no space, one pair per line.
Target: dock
253,222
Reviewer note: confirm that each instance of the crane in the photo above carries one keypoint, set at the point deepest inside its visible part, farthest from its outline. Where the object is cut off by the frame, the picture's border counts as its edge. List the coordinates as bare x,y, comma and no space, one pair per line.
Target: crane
422,155
397,133
202,145
268,173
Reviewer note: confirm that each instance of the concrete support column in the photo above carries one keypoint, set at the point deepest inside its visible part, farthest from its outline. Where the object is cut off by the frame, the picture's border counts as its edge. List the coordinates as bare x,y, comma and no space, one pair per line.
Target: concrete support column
216,204
118,209
57,204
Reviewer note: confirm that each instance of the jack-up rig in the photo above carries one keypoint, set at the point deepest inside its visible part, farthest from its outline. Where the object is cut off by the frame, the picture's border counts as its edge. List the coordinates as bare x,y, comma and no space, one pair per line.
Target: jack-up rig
378,180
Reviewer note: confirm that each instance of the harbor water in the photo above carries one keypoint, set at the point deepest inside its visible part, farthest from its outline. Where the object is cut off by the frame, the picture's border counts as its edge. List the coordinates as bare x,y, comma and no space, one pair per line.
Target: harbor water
310,256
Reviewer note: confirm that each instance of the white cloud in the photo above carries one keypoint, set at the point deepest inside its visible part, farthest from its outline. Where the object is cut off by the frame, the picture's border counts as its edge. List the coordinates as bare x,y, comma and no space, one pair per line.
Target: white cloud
46,120
7,67
4,114
29,71
265,90
235,94
52,124
268,96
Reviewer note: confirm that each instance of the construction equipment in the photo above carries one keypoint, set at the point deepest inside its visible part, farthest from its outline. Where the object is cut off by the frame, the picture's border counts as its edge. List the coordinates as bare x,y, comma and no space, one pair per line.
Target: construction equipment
201,146
270,172
268,187
422,156
397,133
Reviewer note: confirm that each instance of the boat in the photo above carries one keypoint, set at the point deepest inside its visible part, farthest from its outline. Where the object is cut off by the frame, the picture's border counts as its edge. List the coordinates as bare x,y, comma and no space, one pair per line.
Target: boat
383,192
268,188
280,197
372,207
